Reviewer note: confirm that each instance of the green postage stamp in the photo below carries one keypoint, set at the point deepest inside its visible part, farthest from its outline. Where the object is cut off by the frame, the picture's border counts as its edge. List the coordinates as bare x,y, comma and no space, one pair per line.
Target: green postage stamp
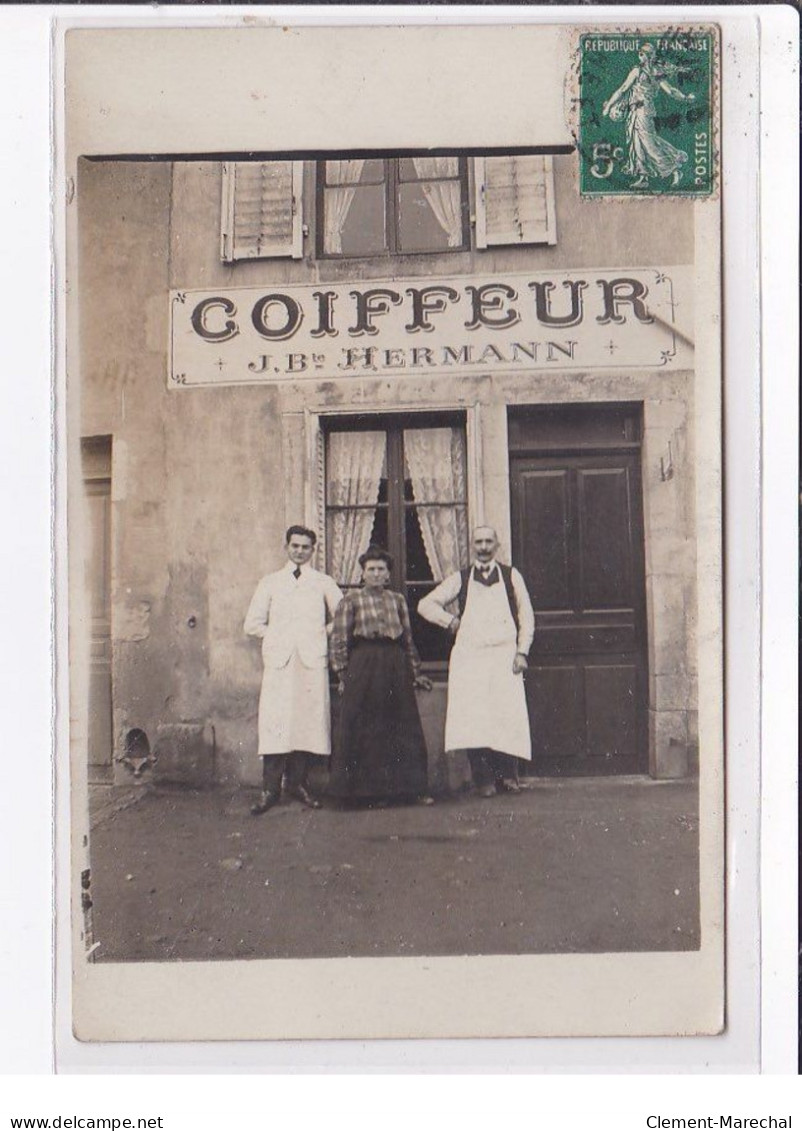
646,113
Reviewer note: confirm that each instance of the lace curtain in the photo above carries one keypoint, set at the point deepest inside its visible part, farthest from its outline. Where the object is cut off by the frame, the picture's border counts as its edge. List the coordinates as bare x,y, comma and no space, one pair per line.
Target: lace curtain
437,465
443,196
339,198
354,466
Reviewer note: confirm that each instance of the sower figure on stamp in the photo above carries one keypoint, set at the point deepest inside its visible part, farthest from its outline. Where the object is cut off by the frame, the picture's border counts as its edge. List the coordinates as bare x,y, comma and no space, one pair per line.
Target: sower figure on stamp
650,155
290,611
493,628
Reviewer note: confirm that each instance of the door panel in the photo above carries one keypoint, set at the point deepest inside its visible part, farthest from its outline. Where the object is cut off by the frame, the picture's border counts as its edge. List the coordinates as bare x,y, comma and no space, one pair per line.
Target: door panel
611,695
578,540
99,591
555,699
544,537
605,564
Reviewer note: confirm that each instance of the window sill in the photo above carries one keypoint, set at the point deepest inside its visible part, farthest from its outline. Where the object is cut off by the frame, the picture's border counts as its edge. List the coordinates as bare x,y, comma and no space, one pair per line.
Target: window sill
387,256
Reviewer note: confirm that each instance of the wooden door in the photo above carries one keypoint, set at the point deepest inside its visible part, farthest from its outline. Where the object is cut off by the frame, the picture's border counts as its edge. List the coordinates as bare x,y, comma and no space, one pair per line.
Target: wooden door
577,523
97,486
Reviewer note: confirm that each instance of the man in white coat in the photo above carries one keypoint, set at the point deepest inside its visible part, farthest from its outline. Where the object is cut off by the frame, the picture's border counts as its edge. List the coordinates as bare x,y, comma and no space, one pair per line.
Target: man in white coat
290,611
494,626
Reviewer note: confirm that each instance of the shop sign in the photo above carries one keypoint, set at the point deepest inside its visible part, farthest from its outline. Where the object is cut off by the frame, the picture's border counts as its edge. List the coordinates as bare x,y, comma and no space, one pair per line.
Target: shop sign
575,321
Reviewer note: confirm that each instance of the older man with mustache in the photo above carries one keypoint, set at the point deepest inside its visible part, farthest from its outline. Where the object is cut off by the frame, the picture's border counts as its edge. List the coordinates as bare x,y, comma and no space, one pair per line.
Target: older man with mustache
493,629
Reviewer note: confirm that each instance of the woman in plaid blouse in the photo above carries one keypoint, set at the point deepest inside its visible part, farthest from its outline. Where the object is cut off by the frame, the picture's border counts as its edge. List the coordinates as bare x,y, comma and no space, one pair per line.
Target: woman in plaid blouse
380,752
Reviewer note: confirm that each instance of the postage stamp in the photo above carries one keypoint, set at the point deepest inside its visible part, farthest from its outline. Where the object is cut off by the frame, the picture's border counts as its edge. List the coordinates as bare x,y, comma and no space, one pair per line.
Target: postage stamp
645,113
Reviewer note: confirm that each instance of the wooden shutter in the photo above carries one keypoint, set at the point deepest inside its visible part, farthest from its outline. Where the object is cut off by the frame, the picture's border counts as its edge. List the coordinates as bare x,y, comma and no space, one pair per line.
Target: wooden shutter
262,211
514,201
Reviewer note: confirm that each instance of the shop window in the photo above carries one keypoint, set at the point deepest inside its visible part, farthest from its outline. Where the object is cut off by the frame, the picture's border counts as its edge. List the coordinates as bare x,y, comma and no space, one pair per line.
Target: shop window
262,210
392,205
402,484
514,201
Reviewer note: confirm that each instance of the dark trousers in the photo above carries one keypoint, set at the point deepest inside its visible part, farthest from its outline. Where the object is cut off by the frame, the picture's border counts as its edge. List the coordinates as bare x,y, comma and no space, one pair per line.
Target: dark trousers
292,767
491,766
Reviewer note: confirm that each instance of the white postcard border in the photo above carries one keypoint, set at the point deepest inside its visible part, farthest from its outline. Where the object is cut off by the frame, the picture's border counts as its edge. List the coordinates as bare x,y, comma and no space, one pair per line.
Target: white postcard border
553,15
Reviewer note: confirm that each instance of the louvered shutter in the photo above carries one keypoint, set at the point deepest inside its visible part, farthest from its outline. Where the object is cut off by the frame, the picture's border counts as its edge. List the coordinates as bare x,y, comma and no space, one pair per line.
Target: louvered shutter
514,201
261,213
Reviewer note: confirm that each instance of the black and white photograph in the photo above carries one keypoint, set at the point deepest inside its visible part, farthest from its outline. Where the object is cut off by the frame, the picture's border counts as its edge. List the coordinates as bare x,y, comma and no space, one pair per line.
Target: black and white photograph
394,553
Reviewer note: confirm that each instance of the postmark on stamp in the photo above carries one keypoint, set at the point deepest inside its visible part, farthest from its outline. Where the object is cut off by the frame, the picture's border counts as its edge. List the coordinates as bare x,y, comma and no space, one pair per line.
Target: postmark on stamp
646,113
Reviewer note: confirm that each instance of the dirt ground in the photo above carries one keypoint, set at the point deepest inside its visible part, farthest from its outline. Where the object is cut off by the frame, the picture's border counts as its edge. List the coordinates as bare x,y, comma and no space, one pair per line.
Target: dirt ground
566,866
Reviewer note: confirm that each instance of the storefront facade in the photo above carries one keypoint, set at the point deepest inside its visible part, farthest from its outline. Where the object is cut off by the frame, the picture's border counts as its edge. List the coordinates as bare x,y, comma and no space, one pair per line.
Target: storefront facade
395,349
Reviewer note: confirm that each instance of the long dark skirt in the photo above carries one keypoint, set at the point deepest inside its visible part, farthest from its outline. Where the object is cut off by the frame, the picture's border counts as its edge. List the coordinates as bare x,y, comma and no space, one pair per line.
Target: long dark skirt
379,749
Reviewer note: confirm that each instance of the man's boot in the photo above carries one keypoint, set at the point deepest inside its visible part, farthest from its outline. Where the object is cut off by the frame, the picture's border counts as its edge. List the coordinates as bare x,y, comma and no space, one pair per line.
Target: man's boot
266,801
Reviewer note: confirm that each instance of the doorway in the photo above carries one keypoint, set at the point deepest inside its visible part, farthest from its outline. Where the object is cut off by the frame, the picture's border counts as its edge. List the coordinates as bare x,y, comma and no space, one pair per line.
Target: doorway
96,467
577,538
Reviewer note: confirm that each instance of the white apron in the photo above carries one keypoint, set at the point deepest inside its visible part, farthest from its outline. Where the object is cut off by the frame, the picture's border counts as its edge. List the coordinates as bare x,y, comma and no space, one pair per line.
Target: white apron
486,702
294,709
290,617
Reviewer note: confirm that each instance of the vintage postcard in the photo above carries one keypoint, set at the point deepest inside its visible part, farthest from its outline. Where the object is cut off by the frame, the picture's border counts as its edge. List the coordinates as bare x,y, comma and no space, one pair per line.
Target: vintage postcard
392,466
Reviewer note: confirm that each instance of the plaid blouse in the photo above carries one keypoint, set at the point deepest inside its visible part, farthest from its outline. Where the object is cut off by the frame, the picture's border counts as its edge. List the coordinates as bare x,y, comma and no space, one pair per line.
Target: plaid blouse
371,614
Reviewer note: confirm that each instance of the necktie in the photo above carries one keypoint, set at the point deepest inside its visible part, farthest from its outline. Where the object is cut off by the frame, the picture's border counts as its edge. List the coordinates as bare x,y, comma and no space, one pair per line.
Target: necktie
296,573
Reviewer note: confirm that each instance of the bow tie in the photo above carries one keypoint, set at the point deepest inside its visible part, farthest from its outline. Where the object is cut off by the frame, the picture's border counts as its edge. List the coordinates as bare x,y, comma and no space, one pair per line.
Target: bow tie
486,574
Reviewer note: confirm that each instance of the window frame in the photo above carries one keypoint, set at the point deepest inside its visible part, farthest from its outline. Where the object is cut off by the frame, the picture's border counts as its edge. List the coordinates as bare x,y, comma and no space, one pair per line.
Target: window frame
393,425
392,183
